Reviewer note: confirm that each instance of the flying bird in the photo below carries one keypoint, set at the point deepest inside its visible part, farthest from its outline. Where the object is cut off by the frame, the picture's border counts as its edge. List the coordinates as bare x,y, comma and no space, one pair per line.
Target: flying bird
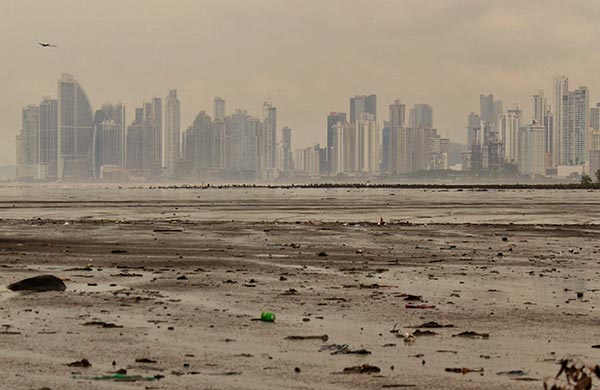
43,44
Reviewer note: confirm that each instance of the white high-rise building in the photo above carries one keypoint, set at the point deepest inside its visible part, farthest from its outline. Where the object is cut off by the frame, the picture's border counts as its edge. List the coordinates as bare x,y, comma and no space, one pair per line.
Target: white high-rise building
172,133
575,126
367,144
539,107
532,150
561,88
508,126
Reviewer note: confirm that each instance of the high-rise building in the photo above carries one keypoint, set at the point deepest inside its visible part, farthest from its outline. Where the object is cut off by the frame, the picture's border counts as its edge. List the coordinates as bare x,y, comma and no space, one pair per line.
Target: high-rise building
172,135
368,144
287,162
561,88
397,121
332,119
27,143
575,124
270,141
532,150
75,130
109,138
144,140
197,151
539,107
48,139
549,126
595,117
473,128
509,124
219,109
360,104
486,106
421,116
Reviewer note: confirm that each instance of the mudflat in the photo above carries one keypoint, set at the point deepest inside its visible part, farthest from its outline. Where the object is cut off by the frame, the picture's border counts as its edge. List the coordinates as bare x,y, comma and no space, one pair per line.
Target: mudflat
169,286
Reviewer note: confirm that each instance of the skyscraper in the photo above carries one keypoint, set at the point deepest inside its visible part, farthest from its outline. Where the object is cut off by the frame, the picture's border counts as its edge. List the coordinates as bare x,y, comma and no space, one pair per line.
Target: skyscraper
109,138
332,119
219,109
561,88
48,139
421,116
539,107
144,140
532,150
509,124
575,126
270,142
27,143
473,127
360,104
397,155
486,106
287,162
367,144
172,133
75,130
595,117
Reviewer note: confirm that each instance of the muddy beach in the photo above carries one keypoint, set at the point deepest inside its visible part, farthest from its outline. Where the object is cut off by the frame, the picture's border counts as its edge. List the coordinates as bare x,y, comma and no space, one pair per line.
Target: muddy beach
176,279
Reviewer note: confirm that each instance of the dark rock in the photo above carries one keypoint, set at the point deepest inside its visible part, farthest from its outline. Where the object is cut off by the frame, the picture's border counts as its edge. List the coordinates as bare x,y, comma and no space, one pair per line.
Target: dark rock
40,283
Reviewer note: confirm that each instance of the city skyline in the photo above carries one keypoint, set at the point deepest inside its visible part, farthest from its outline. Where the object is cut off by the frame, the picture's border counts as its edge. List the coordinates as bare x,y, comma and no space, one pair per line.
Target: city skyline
447,69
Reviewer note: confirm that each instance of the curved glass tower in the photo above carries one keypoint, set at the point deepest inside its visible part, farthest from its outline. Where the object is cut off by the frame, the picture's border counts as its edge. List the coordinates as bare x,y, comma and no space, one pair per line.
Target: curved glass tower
75,131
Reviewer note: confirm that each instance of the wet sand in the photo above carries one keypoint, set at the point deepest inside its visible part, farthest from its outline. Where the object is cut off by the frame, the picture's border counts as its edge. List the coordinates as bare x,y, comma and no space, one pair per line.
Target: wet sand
491,262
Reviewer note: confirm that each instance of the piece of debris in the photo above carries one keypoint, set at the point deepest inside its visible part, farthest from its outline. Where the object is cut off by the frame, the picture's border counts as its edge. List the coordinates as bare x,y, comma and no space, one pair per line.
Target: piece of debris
106,325
267,316
512,373
124,378
432,325
362,369
413,298
41,283
577,376
464,370
145,360
84,363
118,251
323,337
411,306
322,254
472,335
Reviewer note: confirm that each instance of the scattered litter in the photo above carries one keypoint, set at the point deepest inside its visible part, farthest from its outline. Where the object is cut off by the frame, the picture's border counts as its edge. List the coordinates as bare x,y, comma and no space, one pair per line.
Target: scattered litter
362,369
323,337
145,360
432,325
472,335
512,373
84,363
464,370
267,316
411,306
123,378
577,376
106,325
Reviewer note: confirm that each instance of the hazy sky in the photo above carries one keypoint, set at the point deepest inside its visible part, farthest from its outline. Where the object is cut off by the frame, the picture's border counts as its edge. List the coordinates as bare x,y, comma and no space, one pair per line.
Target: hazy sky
306,56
